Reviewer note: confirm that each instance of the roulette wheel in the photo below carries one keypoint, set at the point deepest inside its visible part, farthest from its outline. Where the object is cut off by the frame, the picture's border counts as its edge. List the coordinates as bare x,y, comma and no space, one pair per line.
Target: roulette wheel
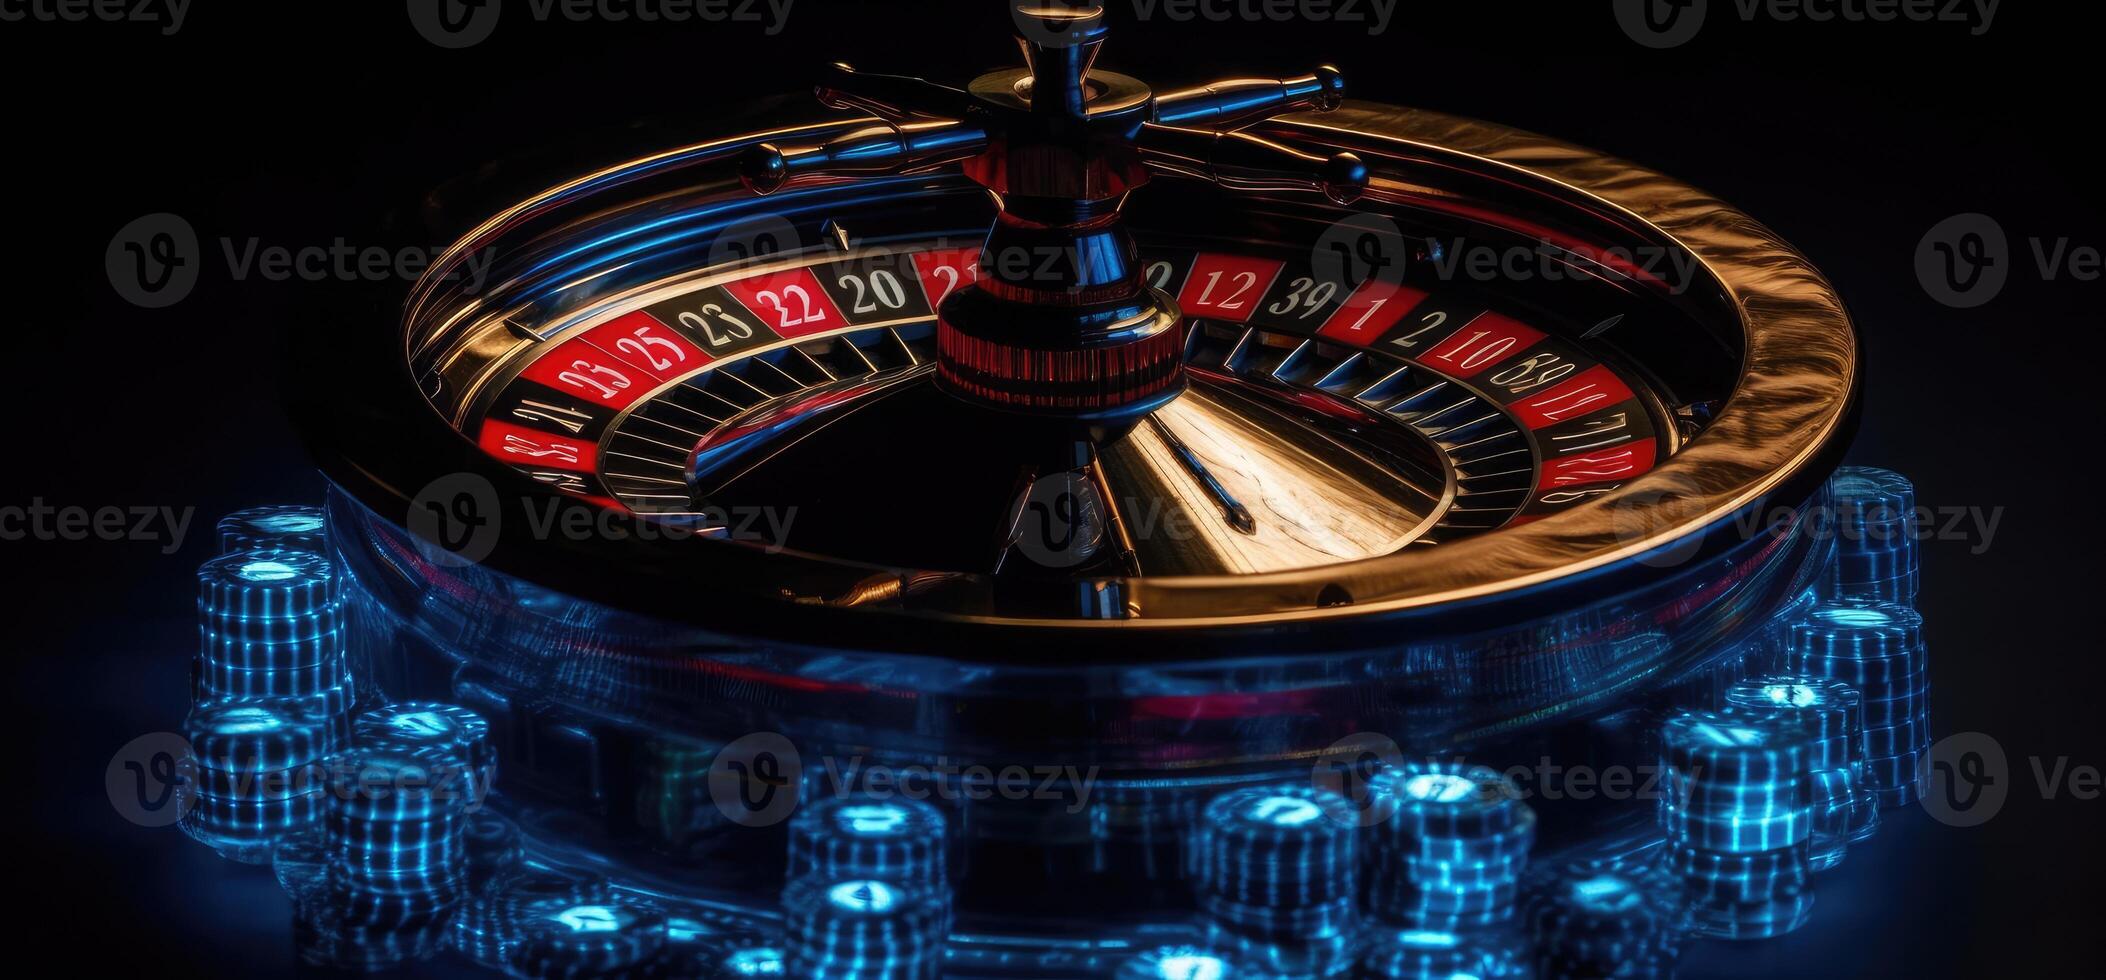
1007,529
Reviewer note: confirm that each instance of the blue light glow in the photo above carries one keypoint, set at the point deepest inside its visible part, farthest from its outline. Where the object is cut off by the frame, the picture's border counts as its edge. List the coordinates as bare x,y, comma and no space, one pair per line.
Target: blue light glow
863,896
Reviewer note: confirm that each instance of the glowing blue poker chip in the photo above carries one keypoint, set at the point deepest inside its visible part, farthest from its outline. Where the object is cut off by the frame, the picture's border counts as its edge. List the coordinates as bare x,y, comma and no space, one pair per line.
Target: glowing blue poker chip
266,585
1178,963
863,928
280,527
254,736
1732,747
1737,834
1426,954
894,840
1850,630
397,783
1831,708
460,733
566,938
759,960
1444,800
1876,548
1279,846
1615,917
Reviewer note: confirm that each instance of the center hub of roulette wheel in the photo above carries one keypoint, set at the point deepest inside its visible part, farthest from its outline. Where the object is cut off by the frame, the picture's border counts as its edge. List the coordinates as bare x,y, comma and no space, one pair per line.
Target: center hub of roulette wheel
1051,527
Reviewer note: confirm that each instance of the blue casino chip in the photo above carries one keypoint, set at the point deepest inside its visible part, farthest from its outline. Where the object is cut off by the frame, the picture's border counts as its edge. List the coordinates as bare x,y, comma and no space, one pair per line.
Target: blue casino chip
1425,954
1877,549
460,733
894,840
1615,917
265,585
278,527
1280,846
1833,709
1444,800
566,938
1736,748
864,929
397,783
255,736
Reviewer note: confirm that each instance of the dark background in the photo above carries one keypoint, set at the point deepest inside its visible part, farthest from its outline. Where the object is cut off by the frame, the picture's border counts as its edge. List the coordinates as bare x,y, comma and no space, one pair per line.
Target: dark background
298,124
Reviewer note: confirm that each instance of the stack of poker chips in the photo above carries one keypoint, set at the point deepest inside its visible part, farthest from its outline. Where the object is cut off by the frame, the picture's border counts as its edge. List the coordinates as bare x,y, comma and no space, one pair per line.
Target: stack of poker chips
1605,918
1738,827
1876,648
568,938
1843,808
252,781
280,527
1177,963
1451,848
848,838
1876,551
862,929
1278,878
270,625
460,734
396,822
